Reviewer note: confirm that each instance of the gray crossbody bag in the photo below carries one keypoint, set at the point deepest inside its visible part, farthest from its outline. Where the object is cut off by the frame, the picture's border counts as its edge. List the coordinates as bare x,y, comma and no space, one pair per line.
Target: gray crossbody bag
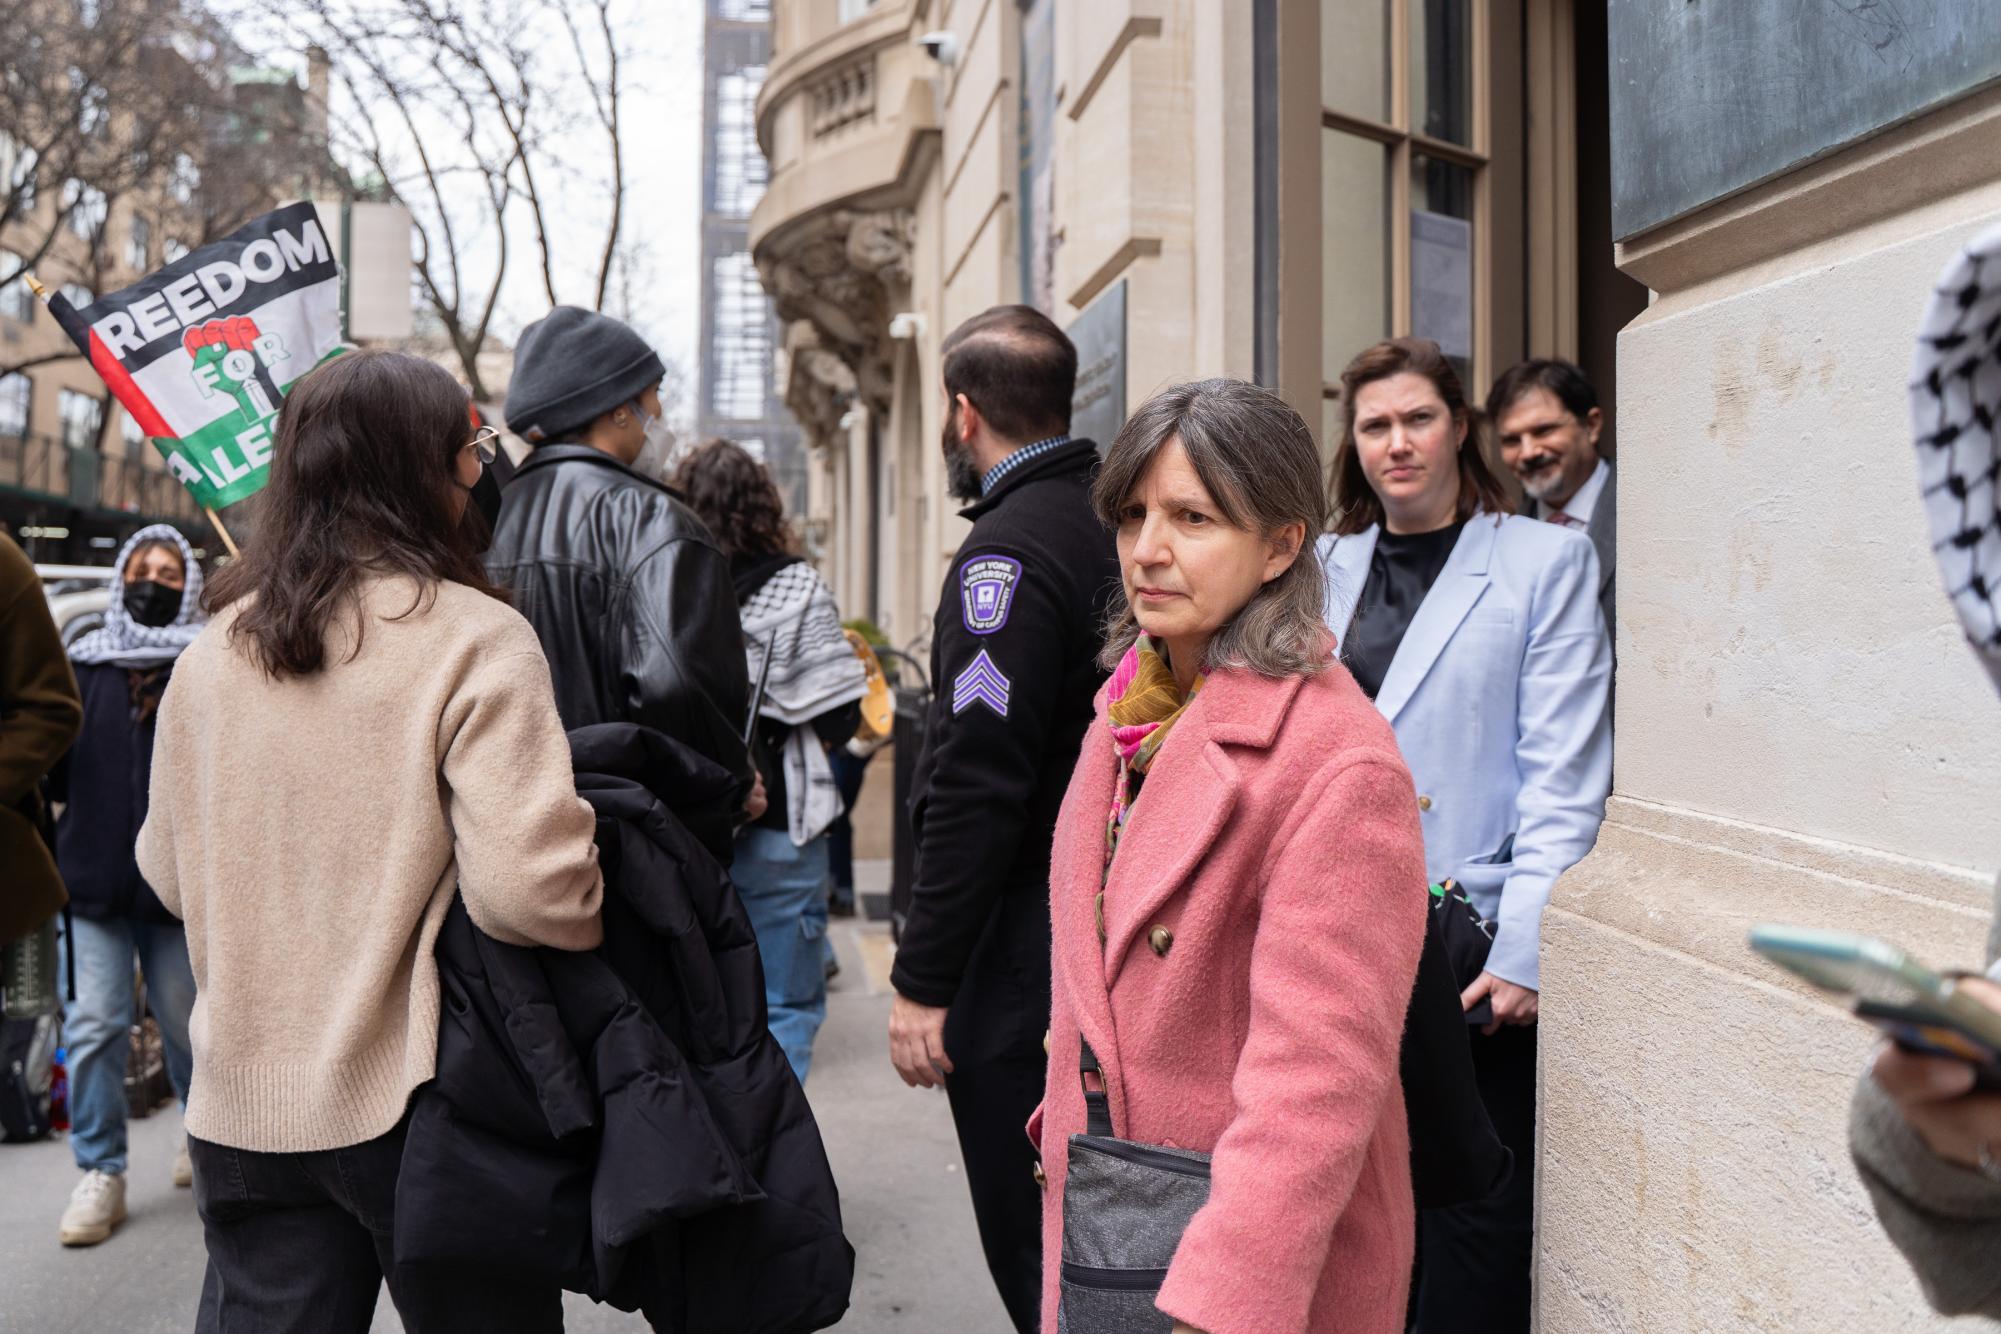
1125,1206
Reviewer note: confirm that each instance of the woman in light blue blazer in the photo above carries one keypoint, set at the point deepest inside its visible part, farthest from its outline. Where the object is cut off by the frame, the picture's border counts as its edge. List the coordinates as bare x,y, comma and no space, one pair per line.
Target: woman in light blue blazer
1478,634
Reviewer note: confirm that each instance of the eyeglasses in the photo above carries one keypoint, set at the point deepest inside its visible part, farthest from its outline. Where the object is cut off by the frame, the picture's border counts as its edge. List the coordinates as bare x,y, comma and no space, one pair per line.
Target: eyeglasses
487,442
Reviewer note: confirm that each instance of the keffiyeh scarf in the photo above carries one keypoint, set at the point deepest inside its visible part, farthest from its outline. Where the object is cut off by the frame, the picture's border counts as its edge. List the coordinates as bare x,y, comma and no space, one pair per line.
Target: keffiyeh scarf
793,619
123,642
1955,413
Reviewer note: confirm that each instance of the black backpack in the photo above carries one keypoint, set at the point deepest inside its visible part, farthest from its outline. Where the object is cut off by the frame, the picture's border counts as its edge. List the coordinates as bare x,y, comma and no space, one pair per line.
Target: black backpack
27,1069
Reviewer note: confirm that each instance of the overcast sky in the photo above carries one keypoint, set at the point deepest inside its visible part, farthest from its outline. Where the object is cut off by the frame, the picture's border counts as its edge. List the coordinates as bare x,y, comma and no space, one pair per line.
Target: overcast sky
662,132
664,164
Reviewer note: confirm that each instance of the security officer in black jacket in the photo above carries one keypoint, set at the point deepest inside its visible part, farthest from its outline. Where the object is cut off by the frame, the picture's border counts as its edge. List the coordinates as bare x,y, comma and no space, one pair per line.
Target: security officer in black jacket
629,594
1014,669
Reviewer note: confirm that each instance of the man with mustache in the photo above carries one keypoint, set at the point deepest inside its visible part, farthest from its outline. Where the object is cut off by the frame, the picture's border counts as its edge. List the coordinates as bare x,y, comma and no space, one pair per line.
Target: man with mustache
1014,651
1547,418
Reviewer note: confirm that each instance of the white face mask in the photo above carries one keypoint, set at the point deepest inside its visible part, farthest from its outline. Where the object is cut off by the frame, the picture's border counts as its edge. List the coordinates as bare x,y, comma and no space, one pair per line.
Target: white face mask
657,454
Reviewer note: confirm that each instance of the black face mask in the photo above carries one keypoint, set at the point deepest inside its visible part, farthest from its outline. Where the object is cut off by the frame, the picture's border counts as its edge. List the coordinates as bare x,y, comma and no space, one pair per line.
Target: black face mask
151,604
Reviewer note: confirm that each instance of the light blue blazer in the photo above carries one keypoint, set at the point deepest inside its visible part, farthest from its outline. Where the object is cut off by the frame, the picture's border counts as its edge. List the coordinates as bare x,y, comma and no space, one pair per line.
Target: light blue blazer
1500,699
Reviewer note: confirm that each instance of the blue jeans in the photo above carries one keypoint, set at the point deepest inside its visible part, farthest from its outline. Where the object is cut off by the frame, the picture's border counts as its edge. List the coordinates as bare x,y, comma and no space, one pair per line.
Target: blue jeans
97,1026
784,889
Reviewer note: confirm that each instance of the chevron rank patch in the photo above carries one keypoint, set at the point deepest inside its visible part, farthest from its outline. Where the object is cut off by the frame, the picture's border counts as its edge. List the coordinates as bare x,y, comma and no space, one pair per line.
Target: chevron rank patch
981,683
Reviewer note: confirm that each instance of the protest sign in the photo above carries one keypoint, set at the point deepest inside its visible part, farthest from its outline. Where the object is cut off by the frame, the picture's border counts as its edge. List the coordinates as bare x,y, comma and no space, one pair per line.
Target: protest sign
202,352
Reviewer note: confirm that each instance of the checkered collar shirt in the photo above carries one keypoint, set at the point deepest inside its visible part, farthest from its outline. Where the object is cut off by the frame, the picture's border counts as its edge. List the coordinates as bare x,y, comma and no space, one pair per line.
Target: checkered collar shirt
1025,455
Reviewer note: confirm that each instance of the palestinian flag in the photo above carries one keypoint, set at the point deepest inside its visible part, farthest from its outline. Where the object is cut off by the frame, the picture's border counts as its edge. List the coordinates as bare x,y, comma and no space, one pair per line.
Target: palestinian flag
202,352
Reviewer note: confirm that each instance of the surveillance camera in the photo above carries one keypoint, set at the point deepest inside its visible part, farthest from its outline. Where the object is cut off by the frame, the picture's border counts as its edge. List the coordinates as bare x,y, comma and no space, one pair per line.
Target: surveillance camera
941,46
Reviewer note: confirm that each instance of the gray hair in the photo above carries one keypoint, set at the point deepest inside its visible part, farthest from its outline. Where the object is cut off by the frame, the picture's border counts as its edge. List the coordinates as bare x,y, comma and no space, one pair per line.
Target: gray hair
1258,461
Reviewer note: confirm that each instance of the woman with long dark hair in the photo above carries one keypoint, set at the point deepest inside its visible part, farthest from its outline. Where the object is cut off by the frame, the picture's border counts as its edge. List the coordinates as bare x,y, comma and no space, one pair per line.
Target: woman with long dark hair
812,702
365,730
1478,635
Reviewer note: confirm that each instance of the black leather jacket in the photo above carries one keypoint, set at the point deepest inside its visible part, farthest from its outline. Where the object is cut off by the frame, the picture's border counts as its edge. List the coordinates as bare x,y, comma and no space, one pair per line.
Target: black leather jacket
631,598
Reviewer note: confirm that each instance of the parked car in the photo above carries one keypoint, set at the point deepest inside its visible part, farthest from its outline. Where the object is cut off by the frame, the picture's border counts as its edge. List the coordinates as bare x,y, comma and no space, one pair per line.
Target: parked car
78,595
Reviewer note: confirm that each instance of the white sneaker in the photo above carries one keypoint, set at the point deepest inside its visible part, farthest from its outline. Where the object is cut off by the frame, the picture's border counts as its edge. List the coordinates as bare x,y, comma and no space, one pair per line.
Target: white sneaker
96,1206
184,1166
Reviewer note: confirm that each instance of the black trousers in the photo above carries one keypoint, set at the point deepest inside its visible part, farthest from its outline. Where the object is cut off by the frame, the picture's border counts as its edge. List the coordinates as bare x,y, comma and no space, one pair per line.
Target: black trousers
299,1243
1475,1260
991,1103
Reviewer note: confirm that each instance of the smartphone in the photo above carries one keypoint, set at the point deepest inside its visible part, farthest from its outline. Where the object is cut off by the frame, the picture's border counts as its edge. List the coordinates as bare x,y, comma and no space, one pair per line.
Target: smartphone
1920,1010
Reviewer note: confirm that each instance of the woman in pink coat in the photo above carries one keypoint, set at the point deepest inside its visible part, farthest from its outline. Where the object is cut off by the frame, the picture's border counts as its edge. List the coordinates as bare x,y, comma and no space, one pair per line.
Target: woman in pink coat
1237,892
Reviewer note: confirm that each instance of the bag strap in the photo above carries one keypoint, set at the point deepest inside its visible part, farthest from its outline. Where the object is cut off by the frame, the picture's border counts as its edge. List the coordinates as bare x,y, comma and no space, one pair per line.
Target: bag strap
1097,1106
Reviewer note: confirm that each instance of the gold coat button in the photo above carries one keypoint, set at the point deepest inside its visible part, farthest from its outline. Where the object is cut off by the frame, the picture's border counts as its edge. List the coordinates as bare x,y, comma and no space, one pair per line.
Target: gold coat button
1161,939
1424,803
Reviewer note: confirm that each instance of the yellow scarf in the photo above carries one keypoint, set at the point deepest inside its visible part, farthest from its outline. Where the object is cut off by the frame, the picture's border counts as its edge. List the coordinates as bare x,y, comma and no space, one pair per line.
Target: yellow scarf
1143,703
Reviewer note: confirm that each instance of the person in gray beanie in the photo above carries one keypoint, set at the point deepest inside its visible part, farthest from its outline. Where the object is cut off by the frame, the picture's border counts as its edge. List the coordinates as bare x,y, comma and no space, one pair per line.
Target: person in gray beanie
627,591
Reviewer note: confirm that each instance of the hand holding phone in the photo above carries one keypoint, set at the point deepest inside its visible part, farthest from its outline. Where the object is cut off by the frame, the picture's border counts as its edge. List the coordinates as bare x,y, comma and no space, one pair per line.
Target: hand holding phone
1938,1097
1921,1011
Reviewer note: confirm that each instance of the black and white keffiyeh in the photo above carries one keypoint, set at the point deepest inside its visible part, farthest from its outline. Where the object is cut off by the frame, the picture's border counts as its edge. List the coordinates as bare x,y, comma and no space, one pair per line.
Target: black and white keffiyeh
123,642
1955,412
793,619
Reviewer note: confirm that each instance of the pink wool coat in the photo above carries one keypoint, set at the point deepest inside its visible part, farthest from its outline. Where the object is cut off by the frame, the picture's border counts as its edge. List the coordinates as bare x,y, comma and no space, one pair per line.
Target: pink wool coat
1277,840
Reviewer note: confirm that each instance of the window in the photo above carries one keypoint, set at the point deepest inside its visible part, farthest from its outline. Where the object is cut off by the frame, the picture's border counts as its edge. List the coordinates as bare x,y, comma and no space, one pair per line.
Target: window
16,301
17,174
78,295
744,11
81,415
1403,164
139,244
741,170
87,208
740,339
186,179
93,104
134,438
171,250
850,10
17,393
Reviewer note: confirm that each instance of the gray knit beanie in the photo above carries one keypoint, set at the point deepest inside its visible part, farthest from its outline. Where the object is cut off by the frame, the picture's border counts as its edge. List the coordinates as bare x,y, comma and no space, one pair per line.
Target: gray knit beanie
570,368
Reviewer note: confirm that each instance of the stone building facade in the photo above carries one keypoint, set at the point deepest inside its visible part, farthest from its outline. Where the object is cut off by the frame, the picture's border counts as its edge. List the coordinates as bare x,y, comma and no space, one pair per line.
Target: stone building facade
1258,189
1803,736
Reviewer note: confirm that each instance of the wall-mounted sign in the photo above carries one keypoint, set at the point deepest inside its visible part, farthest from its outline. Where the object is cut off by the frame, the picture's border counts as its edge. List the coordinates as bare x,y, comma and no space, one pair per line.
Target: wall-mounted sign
1098,408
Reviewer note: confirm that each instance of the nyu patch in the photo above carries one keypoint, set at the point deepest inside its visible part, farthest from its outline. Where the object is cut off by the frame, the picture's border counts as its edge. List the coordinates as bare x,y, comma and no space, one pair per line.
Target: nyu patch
986,592
981,683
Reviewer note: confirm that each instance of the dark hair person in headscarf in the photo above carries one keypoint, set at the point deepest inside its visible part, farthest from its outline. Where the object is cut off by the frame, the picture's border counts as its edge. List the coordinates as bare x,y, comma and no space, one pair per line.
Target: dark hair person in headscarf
813,688
122,670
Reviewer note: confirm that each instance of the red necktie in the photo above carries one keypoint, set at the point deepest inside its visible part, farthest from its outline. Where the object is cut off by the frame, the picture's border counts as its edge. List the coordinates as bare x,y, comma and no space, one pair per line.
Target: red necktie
1563,520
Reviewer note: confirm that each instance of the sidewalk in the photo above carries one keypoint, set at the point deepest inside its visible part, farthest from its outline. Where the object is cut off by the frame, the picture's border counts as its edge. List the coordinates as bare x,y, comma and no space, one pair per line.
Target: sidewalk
903,1196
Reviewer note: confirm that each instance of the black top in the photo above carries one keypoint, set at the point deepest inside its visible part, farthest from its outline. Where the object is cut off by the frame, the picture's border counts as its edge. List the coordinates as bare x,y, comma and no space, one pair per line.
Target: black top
1401,572
767,742
1014,651
630,598
103,785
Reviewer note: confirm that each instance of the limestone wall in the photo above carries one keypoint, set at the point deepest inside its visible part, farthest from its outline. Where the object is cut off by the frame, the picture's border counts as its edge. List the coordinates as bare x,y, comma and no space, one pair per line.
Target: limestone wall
1802,737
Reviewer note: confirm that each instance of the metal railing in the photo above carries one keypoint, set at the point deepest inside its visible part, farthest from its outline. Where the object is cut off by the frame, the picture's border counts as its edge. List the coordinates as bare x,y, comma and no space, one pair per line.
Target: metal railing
82,477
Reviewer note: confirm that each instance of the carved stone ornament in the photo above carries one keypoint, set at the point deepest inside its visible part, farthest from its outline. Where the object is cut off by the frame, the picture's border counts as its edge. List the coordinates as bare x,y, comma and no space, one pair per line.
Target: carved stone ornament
818,386
842,274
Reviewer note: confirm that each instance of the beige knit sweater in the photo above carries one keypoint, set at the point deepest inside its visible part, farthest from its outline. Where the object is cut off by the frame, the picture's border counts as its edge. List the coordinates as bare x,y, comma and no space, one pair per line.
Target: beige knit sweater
311,832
